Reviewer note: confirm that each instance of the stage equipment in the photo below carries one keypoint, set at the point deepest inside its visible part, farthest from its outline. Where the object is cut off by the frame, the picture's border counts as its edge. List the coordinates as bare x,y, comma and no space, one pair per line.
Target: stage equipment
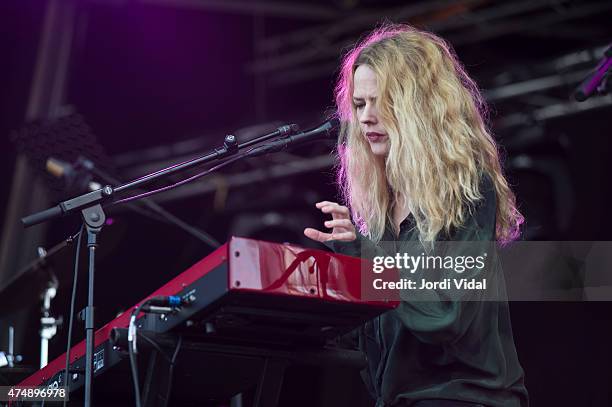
35,283
90,204
250,305
597,81
82,173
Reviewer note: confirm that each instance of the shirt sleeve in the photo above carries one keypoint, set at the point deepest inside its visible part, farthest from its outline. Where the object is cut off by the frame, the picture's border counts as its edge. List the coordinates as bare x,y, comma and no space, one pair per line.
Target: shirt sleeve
443,315
360,247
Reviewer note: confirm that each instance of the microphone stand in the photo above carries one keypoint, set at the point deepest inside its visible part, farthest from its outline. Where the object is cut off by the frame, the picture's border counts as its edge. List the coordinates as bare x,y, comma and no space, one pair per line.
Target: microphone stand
91,207
91,168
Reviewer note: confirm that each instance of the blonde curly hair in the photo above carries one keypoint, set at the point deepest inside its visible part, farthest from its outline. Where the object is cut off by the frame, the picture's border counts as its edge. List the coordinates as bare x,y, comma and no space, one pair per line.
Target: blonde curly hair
440,146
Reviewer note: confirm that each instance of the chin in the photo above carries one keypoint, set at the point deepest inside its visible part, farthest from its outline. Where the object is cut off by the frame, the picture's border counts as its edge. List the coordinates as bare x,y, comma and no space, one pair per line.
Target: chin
380,149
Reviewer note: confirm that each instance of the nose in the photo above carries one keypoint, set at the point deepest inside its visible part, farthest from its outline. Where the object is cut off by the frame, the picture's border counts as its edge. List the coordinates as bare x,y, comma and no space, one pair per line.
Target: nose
368,114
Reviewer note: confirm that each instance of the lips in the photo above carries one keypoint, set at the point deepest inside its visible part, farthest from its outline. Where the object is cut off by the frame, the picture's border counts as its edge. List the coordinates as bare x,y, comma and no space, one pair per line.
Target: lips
375,137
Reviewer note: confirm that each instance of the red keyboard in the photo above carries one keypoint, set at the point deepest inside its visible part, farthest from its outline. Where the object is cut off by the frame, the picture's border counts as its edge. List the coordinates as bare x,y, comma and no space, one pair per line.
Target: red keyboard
246,293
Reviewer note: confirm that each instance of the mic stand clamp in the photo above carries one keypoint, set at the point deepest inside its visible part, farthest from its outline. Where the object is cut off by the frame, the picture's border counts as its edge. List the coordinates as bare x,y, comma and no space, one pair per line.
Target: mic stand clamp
81,202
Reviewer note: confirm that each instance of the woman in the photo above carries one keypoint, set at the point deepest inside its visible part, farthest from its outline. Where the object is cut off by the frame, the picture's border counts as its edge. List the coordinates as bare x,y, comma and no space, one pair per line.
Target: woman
417,163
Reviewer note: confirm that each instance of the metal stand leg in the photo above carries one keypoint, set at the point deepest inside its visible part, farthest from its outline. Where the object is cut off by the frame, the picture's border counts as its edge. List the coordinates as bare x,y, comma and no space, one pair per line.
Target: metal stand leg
269,387
94,219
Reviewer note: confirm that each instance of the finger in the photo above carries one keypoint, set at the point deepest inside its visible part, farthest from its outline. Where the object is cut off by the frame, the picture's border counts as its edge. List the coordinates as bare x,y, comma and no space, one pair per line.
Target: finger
317,235
344,236
340,223
338,210
324,203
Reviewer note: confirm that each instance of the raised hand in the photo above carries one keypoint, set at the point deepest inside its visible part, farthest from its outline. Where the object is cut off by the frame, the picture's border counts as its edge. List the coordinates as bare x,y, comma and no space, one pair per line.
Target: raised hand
340,224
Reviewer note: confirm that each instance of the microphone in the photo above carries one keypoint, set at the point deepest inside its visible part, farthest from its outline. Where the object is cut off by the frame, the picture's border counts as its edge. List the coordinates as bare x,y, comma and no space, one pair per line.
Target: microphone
76,176
282,131
596,81
327,130
59,168
286,130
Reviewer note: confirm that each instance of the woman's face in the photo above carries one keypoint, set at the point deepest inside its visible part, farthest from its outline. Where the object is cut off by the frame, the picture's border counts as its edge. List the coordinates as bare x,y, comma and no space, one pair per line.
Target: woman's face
365,96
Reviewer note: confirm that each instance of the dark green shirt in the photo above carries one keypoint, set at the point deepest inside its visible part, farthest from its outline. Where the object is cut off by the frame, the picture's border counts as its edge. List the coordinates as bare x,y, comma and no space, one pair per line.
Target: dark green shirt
449,349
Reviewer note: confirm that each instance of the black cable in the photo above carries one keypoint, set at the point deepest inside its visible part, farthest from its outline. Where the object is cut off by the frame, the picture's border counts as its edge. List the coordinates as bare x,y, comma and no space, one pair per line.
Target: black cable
185,181
134,368
133,361
171,369
72,301
156,346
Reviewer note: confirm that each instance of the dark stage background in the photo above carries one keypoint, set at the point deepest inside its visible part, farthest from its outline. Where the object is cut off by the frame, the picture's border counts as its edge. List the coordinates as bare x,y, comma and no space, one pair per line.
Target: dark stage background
139,84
